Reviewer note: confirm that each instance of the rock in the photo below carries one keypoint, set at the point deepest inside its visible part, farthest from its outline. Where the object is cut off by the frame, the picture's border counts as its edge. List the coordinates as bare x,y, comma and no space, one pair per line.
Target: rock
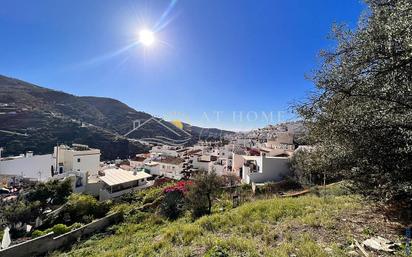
353,253
380,244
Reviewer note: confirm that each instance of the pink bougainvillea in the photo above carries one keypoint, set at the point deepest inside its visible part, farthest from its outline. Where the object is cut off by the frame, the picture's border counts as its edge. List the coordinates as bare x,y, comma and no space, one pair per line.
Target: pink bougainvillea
181,186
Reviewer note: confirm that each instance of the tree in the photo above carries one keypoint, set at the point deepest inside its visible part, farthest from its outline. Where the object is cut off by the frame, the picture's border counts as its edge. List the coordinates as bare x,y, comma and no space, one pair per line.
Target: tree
23,212
55,191
360,118
173,202
83,208
201,192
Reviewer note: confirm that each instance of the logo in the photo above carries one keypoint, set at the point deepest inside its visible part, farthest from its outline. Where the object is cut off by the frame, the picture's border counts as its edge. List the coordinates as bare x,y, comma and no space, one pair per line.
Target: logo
175,128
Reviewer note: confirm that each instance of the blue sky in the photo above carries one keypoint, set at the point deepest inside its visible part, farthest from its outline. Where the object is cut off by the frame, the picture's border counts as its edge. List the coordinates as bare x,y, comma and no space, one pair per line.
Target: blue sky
216,63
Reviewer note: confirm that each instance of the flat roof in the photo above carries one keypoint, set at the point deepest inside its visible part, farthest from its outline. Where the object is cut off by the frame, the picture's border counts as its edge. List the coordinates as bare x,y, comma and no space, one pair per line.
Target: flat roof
250,158
120,176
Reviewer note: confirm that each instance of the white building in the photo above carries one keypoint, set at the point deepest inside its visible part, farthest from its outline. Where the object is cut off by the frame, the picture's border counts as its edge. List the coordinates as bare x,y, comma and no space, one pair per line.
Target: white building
117,182
35,167
138,161
78,158
165,150
261,169
283,140
171,167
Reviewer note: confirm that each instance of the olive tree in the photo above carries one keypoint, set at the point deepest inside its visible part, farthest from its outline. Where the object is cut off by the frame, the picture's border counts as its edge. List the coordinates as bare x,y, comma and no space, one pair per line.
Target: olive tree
360,117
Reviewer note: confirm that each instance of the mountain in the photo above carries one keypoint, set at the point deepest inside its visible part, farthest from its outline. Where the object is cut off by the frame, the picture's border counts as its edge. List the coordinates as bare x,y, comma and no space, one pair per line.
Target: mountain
36,118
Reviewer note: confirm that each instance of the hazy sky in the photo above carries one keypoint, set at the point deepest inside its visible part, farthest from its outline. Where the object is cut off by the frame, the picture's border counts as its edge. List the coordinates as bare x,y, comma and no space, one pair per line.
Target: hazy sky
216,63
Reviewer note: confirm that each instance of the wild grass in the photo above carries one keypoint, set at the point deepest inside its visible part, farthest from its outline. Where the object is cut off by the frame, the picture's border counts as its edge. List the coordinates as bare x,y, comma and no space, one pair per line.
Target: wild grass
272,227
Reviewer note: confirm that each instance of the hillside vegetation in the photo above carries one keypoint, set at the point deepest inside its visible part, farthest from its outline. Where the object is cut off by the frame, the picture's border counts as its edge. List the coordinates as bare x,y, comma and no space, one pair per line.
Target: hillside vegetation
310,225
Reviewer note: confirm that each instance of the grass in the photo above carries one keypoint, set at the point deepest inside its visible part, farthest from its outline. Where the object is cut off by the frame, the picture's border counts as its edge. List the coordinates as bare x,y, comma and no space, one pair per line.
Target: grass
304,226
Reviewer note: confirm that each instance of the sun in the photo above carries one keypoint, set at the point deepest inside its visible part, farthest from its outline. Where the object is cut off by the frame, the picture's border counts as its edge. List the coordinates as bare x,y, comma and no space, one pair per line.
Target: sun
146,37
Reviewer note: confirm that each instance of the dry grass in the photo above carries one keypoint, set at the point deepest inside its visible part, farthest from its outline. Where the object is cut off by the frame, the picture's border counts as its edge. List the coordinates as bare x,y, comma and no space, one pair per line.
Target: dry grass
305,226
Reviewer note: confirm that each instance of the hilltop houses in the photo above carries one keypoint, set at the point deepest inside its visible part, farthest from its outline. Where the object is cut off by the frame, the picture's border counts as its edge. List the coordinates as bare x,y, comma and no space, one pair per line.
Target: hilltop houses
259,156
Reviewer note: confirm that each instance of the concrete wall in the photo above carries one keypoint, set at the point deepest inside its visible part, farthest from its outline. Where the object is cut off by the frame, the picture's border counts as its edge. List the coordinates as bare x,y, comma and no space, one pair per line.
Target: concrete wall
271,169
44,244
35,167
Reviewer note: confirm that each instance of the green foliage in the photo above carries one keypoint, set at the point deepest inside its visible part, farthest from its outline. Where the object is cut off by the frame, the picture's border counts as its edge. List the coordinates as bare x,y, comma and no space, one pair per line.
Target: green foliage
22,211
57,229
201,192
84,208
55,190
259,228
217,251
360,119
172,205
276,187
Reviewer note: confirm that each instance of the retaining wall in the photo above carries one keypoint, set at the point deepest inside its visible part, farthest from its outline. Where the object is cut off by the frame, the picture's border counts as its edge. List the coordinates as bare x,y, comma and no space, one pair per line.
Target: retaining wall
46,243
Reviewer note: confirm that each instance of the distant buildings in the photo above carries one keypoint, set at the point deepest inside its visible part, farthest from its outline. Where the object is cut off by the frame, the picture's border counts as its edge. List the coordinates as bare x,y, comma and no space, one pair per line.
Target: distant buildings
258,156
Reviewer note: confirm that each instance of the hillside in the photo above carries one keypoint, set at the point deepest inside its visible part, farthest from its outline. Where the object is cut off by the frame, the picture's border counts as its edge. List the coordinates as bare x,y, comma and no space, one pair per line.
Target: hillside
309,225
36,118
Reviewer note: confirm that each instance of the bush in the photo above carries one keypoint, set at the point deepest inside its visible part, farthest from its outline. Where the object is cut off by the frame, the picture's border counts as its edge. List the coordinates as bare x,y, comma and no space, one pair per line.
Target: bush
201,192
58,229
37,233
55,191
22,212
84,208
172,205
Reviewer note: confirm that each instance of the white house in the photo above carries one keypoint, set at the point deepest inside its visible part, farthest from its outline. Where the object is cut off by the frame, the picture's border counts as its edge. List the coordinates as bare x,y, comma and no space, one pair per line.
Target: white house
78,160
171,167
117,182
261,169
165,150
36,167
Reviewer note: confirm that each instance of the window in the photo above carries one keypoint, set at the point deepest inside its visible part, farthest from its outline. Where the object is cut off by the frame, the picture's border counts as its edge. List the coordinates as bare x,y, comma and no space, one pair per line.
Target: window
78,159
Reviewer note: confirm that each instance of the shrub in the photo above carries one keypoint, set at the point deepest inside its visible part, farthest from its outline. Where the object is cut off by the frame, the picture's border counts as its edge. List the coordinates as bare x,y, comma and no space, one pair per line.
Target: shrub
85,208
55,191
22,212
58,229
201,192
173,204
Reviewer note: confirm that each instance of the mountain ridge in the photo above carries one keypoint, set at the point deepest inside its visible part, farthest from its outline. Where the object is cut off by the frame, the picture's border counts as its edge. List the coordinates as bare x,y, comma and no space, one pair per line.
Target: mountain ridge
36,111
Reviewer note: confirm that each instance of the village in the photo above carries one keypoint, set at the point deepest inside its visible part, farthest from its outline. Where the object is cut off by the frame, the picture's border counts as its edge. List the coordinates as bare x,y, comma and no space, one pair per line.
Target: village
252,158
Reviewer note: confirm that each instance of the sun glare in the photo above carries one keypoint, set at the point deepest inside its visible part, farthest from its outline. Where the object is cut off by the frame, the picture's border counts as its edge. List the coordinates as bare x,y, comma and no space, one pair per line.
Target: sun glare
146,37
